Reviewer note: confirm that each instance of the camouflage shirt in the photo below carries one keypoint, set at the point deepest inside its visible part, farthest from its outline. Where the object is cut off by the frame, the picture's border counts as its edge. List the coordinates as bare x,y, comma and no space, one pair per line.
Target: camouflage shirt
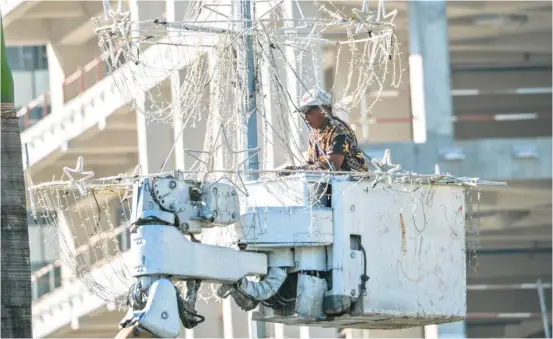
338,138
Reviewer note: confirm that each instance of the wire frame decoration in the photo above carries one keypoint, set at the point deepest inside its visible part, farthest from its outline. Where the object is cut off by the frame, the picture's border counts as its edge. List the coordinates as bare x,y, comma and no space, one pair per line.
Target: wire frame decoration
204,54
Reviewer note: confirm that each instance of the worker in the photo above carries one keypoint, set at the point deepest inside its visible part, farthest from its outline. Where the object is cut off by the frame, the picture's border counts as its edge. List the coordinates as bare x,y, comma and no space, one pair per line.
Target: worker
332,143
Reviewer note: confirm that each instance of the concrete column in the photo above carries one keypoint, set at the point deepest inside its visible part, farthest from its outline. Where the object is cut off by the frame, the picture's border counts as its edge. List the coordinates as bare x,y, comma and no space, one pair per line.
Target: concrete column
175,10
267,120
430,71
154,139
63,61
56,76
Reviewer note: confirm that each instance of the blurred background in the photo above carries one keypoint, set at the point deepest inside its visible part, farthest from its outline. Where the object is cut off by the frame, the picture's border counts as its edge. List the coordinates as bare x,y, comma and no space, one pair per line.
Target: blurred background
475,98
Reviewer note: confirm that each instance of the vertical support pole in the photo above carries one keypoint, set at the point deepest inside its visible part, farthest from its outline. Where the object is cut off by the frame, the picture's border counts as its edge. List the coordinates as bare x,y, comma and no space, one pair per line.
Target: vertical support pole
304,332
279,331
217,96
176,105
268,131
141,132
543,308
292,86
227,319
248,103
365,122
431,332
256,329
178,123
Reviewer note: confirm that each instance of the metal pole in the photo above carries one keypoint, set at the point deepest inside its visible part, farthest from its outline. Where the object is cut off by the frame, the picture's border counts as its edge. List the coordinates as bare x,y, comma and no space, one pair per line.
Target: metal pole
543,307
249,108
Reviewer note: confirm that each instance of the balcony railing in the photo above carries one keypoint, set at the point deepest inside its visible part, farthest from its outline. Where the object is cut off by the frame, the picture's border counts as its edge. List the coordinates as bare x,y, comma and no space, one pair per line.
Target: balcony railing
73,86
86,257
462,118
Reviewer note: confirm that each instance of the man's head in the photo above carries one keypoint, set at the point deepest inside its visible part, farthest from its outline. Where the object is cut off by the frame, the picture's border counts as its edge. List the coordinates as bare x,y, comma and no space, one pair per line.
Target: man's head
314,106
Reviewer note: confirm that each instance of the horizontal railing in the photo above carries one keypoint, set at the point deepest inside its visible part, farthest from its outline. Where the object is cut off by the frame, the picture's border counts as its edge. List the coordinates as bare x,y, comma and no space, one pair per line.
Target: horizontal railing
78,78
48,278
465,118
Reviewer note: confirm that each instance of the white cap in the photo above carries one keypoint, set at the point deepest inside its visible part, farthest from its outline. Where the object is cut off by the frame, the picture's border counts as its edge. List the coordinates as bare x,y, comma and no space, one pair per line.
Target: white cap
314,98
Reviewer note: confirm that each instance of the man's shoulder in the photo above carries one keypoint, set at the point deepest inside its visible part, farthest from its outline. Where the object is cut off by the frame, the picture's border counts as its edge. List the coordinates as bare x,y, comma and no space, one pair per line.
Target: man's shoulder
339,128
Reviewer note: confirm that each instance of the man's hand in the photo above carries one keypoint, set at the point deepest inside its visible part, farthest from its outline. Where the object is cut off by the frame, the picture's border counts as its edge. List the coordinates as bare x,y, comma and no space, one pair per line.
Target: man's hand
289,168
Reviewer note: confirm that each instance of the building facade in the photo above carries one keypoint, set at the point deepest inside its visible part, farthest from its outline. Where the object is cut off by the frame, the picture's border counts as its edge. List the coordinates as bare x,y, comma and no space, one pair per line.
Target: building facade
475,98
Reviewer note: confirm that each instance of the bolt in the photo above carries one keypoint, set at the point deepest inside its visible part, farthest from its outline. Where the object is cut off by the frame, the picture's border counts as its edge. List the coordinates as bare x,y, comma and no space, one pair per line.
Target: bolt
150,205
172,184
181,209
172,207
233,215
352,208
353,293
214,190
352,255
233,193
214,213
164,315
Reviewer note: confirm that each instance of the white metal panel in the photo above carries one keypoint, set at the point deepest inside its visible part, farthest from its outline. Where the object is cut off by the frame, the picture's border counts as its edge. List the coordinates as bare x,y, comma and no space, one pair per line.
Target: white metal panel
301,190
415,246
286,226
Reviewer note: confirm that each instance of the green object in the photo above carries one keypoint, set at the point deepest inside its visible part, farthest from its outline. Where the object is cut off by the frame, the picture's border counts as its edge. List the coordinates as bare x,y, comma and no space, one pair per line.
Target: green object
6,86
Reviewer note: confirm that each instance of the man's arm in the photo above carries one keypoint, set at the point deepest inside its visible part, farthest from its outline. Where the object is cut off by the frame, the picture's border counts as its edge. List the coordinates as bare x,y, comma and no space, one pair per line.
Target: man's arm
335,152
334,159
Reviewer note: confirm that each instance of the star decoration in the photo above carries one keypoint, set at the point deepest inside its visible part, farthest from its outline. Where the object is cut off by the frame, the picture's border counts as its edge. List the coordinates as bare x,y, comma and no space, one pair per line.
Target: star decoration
209,164
364,15
81,183
384,169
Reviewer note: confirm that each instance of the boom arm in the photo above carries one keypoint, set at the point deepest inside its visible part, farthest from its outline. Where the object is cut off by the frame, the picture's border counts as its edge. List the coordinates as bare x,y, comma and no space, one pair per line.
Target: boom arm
165,211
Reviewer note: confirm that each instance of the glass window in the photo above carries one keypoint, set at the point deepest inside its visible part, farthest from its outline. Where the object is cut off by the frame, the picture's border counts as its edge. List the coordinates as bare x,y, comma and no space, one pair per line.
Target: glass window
27,58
